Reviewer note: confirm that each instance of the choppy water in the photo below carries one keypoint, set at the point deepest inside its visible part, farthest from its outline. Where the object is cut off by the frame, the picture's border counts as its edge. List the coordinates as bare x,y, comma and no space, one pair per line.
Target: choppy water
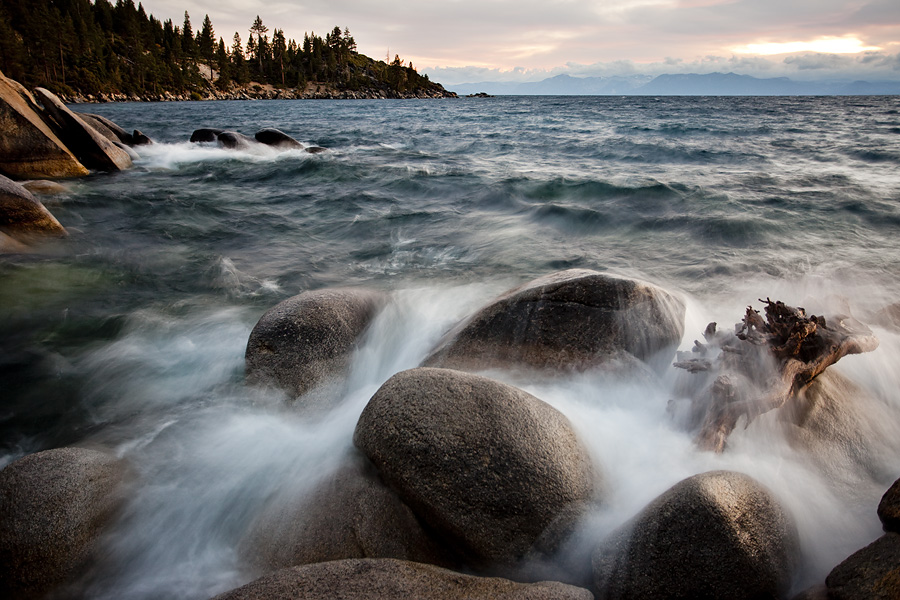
130,334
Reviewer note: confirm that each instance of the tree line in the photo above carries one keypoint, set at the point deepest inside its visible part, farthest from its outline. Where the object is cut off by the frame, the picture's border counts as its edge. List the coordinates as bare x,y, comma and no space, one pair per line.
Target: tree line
82,47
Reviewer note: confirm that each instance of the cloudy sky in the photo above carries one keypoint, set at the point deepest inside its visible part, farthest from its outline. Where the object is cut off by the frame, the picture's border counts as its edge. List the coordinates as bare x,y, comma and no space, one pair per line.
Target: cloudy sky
457,41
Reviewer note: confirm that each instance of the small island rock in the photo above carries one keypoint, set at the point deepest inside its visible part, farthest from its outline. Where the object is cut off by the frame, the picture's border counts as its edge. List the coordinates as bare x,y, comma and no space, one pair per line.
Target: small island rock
205,135
276,137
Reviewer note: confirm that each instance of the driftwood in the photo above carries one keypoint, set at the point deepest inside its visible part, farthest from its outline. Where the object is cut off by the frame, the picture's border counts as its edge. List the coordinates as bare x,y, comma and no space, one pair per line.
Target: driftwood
764,364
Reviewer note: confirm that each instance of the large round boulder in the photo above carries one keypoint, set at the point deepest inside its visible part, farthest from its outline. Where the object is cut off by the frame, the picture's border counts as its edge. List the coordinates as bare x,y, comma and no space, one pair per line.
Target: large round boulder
277,138
309,338
205,135
497,473
233,140
53,507
349,515
22,215
28,147
376,579
574,319
872,573
715,535
889,508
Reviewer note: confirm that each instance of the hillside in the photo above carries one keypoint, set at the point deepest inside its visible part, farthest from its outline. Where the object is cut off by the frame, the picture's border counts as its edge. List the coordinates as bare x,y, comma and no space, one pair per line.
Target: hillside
84,50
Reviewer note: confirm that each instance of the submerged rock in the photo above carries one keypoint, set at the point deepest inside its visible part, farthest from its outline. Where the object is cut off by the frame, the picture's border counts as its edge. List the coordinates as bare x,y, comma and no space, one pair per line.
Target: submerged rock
315,149
22,216
205,135
235,141
91,148
53,507
44,187
275,137
350,515
574,319
377,579
9,245
714,535
872,573
28,146
496,472
889,508
309,338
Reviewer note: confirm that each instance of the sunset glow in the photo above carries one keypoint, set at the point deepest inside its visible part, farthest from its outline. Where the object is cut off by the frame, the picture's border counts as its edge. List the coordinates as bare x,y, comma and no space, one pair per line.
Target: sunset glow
829,45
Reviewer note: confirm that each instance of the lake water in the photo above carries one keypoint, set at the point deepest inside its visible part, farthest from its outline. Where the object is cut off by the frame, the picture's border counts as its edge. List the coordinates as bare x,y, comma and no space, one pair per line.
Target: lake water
130,334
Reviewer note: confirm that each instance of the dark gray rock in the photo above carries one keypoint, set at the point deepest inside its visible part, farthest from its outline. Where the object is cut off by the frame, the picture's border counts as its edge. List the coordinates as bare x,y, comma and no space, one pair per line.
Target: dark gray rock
315,149
140,139
872,573
497,473
714,535
233,140
350,515
22,216
889,508
308,339
205,135
816,592
53,507
378,579
277,138
91,148
29,148
574,319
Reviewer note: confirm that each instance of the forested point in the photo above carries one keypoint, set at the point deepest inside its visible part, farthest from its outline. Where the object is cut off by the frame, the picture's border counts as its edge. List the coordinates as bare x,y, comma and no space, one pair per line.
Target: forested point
89,51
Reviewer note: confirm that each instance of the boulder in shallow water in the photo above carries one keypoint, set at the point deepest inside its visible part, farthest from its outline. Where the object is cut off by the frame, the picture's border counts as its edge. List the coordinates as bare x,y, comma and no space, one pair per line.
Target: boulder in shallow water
205,135
235,141
496,472
44,187
377,579
277,138
53,507
889,508
714,535
351,514
309,339
106,128
872,573
9,245
139,138
574,319
91,148
22,216
28,146
315,149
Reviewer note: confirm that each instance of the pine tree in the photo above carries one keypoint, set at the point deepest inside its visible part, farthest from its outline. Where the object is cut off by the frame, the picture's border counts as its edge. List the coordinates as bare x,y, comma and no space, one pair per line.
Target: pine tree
206,41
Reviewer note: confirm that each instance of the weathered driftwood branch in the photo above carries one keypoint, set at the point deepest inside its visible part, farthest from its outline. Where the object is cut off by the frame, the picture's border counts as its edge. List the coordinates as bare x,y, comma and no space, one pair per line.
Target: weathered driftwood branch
764,363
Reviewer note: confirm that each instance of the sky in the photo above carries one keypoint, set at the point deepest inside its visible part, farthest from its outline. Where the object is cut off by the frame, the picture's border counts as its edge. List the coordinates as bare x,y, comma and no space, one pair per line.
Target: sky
462,41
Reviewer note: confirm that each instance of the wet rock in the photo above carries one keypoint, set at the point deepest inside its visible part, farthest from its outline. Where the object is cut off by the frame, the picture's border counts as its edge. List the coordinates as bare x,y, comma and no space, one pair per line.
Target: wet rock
308,339
350,515
9,245
140,139
277,138
574,319
816,592
127,150
28,147
496,472
205,135
235,141
106,128
315,149
889,508
714,535
53,507
377,579
44,187
91,148
22,216
872,573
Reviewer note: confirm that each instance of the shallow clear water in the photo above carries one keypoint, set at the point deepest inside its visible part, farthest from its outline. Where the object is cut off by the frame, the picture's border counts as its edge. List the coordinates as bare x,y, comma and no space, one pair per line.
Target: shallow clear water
130,333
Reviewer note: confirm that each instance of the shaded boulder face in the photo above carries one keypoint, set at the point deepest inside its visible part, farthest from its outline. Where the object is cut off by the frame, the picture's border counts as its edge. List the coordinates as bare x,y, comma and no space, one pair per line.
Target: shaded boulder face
872,573
205,135
22,216
139,138
91,148
28,147
377,579
350,515
235,141
496,472
9,245
106,128
276,137
574,319
714,535
53,507
308,339
889,508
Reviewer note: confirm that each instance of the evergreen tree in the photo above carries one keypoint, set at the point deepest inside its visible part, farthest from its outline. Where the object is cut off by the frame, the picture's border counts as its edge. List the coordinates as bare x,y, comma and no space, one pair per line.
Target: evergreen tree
206,41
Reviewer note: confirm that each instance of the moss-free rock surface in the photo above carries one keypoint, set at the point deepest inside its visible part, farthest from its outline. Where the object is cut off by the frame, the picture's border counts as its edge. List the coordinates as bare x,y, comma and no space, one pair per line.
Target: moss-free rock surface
380,579
277,138
28,146
53,507
496,472
889,508
714,535
574,319
309,338
22,216
872,573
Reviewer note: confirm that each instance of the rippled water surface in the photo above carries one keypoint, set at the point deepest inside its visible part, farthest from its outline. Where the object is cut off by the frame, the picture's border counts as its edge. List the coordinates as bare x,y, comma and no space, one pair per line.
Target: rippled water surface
130,334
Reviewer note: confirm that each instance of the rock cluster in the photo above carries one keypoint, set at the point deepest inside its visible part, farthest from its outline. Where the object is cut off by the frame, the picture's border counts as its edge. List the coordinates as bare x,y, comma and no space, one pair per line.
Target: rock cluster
233,140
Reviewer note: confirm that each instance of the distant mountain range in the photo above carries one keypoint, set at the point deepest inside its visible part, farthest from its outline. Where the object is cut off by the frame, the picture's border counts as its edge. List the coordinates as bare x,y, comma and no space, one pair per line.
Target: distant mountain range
711,84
